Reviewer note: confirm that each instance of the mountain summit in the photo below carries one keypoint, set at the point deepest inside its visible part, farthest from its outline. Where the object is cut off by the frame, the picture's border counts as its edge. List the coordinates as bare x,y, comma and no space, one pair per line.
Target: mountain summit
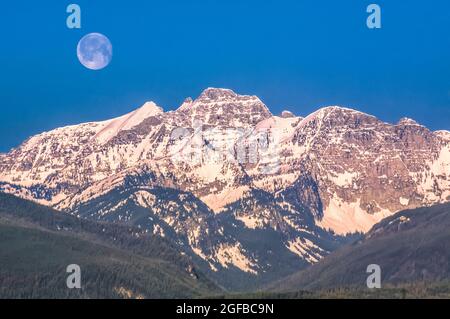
128,121
225,108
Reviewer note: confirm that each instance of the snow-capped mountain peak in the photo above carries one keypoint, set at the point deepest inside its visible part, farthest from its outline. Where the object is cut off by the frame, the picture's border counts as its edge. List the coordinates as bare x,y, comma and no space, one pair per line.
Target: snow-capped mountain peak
406,121
287,114
217,94
443,134
186,104
128,121
336,110
223,107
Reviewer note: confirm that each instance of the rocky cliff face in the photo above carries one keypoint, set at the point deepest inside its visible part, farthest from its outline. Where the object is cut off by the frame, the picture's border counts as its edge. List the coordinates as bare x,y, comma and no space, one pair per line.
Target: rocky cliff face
366,169
239,189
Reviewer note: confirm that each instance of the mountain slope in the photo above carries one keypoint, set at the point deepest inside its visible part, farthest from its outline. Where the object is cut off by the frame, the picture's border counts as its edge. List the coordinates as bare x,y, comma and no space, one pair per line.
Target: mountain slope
37,244
410,246
221,175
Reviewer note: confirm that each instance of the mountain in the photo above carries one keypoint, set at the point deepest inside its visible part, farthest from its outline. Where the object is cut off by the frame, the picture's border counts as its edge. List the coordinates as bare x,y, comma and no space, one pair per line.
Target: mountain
411,247
250,196
38,243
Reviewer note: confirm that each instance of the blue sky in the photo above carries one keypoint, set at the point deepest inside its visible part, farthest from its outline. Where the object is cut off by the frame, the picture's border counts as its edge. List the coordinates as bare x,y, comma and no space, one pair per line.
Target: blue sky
296,55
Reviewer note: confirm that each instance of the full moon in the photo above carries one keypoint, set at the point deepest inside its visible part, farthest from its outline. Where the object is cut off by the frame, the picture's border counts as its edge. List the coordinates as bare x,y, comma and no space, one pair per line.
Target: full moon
94,51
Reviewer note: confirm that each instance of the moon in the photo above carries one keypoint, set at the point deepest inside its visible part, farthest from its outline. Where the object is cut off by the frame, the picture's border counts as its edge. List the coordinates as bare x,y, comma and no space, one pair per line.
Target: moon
94,51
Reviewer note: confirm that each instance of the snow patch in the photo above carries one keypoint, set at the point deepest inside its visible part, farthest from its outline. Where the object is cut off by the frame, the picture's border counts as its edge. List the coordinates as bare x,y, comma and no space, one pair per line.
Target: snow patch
228,254
144,199
343,179
217,201
404,201
306,249
250,221
343,217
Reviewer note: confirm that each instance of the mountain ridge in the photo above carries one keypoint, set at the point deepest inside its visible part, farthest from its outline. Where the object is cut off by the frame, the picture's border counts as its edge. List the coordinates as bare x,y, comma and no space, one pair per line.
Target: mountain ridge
221,171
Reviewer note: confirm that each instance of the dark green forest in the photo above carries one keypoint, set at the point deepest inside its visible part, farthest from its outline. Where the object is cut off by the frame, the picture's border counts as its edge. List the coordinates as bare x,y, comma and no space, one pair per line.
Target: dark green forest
37,244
